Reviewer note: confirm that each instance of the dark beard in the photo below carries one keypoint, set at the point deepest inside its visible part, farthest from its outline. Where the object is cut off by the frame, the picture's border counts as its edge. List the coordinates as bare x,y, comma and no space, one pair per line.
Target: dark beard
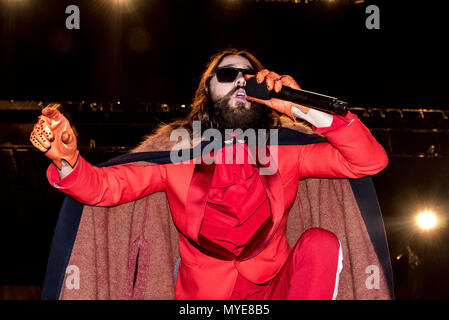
225,117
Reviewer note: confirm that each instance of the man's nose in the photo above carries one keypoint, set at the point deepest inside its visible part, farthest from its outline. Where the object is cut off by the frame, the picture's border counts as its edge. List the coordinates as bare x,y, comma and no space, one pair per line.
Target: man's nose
241,82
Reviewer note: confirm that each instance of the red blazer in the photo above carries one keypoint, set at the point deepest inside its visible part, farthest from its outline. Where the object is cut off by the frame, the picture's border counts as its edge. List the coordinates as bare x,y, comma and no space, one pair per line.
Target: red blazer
352,152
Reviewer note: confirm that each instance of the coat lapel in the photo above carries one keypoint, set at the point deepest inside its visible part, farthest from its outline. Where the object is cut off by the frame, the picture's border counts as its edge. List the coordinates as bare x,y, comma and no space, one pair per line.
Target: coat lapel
196,199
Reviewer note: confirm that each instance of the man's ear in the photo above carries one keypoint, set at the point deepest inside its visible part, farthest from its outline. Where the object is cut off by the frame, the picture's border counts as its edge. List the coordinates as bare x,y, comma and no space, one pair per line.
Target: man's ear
207,83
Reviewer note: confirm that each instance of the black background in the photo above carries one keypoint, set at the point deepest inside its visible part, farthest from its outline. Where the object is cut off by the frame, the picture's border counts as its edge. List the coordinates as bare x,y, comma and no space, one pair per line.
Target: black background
324,45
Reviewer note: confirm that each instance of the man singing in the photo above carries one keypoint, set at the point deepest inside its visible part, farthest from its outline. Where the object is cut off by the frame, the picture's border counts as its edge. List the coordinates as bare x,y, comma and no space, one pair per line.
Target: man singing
231,218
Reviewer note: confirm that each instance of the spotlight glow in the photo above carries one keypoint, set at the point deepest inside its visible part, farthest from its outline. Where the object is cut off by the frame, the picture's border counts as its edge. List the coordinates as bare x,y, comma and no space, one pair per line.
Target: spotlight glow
119,6
427,220
121,3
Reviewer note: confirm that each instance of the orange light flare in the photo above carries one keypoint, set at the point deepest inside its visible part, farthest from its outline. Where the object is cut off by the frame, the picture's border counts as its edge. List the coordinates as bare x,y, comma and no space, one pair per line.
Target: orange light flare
427,220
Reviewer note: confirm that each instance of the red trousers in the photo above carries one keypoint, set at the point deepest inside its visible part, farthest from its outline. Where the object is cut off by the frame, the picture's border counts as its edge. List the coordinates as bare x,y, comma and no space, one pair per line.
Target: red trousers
310,273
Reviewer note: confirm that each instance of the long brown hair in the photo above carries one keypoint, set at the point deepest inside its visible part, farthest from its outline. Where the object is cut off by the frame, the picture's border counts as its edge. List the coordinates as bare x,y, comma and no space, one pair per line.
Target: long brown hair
200,106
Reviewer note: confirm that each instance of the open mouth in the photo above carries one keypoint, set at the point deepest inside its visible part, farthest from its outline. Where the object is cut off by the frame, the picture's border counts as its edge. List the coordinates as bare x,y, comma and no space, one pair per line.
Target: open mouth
240,94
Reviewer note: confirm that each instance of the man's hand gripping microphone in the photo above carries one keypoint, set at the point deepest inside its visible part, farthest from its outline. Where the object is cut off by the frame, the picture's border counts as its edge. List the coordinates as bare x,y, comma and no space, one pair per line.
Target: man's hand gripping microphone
276,82
53,135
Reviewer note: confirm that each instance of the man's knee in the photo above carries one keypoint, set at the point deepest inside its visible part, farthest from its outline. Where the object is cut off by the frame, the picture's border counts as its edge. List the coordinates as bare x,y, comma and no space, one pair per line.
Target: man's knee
320,235
318,242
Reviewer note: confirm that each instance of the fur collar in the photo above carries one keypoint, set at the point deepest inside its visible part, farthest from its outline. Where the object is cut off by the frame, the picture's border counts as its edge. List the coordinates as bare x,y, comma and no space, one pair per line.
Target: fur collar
160,139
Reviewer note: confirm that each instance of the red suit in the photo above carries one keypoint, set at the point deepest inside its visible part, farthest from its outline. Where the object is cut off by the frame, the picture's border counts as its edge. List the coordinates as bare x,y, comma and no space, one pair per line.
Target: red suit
209,269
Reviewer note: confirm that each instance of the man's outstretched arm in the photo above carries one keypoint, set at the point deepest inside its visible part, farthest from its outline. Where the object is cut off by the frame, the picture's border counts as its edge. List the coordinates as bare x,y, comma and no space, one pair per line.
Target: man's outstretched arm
73,175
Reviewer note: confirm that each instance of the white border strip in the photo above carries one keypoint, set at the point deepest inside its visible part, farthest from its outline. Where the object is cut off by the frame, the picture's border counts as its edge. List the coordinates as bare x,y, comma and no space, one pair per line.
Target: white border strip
339,268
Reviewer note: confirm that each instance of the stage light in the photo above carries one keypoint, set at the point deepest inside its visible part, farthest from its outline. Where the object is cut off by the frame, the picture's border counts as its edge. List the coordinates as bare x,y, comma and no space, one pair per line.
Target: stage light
121,2
427,220
117,6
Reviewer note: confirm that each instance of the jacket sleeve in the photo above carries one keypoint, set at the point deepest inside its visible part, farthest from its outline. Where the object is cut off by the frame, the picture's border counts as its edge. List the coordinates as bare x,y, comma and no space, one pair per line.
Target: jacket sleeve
352,152
108,186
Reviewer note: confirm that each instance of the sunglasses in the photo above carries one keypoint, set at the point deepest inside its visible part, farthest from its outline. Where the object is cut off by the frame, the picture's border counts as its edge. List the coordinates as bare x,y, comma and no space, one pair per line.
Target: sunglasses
229,74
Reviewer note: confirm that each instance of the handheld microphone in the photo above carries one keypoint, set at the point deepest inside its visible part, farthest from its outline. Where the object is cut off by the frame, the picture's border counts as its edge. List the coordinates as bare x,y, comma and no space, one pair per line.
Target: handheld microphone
306,98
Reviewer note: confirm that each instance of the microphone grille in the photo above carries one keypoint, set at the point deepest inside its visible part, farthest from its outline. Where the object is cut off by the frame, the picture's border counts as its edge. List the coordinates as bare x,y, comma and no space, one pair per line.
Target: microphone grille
257,90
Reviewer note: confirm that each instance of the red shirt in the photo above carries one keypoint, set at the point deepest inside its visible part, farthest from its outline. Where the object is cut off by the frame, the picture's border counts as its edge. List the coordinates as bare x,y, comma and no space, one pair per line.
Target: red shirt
237,204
